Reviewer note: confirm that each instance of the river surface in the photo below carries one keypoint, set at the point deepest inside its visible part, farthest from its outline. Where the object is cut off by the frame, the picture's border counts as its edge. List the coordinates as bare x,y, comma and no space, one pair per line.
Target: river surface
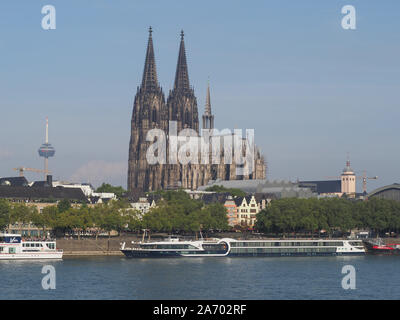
376,277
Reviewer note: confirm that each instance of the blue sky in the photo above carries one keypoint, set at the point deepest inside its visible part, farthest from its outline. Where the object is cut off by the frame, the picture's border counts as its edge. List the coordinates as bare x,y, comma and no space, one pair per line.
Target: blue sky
311,90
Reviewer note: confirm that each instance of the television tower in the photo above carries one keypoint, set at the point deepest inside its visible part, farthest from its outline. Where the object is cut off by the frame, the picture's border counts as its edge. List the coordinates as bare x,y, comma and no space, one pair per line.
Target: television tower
46,151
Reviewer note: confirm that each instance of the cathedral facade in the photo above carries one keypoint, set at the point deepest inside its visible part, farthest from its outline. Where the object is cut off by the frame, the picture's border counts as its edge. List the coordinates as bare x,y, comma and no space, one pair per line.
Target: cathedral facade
152,111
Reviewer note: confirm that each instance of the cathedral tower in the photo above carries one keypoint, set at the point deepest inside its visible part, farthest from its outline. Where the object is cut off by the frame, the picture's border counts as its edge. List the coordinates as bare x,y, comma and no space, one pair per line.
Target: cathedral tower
181,102
149,111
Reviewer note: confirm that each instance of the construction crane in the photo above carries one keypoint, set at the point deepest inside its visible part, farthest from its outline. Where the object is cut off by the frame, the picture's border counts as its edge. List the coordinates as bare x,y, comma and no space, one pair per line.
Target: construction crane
22,169
364,180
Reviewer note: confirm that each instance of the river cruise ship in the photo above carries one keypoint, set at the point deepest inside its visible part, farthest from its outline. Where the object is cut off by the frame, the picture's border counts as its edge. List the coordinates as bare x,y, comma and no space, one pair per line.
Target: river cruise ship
174,247
12,247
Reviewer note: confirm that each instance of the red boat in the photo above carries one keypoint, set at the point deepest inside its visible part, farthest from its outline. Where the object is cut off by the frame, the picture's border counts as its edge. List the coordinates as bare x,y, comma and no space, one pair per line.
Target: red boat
378,246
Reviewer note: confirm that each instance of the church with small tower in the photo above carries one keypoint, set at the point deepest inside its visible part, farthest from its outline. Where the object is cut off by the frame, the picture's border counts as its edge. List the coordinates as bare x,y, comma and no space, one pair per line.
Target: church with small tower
151,110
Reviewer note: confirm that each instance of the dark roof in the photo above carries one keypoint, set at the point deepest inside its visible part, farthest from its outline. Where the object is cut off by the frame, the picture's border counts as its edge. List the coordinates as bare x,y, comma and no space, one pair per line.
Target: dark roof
42,193
14,181
215,197
154,196
262,196
238,200
325,186
41,184
134,195
391,192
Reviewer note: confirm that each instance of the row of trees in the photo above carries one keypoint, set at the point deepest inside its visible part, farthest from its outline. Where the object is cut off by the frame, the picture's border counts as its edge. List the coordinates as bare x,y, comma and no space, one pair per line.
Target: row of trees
333,214
178,212
63,217
175,213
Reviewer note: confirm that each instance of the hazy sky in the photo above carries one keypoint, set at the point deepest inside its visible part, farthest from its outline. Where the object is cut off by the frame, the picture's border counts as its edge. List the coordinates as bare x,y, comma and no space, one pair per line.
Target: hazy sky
311,90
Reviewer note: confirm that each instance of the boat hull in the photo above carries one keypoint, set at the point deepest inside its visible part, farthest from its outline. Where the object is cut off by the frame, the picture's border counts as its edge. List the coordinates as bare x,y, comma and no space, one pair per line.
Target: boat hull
244,248
174,254
381,248
31,256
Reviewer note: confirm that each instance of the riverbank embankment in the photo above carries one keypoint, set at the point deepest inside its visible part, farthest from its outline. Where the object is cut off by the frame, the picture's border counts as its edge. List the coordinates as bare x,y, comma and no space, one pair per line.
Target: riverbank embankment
92,246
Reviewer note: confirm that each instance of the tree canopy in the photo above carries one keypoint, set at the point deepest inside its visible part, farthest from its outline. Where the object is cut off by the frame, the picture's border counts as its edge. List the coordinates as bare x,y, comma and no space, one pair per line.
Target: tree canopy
233,191
105,187
311,215
177,212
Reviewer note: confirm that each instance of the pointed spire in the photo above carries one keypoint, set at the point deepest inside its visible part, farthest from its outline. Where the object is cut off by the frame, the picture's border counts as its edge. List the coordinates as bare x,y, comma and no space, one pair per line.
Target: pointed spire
182,74
149,81
207,109
208,118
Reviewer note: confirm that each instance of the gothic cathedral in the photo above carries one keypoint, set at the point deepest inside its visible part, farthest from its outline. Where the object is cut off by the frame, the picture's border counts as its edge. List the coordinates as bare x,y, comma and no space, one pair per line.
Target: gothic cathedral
150,111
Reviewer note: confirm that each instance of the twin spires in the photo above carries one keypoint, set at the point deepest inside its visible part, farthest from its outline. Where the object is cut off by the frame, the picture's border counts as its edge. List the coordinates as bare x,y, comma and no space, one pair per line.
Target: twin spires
149,81
182,74
181,84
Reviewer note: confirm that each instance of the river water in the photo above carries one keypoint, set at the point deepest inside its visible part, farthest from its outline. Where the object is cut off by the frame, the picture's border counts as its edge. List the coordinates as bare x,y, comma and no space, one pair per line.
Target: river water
376,277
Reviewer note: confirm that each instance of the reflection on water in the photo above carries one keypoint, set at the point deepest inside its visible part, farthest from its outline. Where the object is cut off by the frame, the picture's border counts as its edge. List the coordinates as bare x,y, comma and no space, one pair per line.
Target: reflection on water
203,278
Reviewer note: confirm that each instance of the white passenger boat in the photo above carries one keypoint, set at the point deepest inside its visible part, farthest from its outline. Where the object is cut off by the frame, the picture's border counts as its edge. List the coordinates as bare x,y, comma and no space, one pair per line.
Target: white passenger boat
174,247
12,247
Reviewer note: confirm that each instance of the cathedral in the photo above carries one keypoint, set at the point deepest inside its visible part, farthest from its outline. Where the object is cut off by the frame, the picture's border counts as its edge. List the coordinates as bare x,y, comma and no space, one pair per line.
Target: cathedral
152,111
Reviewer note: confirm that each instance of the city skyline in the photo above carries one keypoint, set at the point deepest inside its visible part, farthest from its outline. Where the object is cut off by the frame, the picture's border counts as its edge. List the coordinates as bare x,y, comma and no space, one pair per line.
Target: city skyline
311,90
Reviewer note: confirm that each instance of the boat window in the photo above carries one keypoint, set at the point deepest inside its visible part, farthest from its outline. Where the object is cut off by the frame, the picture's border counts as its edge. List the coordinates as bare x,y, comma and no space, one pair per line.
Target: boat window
50,245
1,249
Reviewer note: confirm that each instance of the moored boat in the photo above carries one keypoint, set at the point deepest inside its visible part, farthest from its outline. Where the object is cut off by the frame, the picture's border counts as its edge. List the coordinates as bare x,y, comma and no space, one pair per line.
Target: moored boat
12,247
378,246
175,247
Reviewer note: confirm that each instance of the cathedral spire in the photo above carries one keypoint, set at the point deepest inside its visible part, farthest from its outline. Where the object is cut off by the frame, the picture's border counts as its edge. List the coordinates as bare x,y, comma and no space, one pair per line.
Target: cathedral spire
182,75
149,81
208,118
207,109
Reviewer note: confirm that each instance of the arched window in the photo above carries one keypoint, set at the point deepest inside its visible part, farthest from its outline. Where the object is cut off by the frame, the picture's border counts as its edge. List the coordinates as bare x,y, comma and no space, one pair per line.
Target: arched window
187,117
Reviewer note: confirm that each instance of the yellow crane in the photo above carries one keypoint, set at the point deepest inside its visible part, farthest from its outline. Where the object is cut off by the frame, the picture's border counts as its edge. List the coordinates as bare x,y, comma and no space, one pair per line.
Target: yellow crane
22,169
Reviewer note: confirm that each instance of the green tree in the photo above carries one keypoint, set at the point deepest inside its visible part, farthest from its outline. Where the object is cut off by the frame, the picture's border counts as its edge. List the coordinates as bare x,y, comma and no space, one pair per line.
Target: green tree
21,214
4,214
63,205
118,191
221,189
